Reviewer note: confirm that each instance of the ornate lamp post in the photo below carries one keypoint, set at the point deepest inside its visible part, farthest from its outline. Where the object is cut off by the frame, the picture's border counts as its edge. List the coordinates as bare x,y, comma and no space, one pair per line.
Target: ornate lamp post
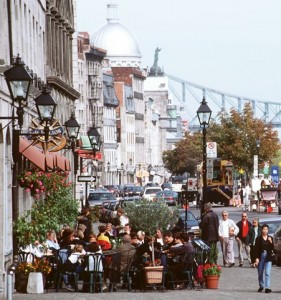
94,138
18,81
46,107
204,115
72,129
258,145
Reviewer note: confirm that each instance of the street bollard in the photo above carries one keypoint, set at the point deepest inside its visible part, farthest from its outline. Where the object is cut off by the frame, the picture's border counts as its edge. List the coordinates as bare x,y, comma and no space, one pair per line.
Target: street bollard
10,277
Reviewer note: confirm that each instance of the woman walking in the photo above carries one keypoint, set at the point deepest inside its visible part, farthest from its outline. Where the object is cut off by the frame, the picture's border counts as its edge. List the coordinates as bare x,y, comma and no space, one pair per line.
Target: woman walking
263,249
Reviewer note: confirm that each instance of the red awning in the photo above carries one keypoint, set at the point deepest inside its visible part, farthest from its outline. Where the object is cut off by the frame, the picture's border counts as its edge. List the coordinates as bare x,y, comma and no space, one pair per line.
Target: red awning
49,160
67,164
32,154
89,154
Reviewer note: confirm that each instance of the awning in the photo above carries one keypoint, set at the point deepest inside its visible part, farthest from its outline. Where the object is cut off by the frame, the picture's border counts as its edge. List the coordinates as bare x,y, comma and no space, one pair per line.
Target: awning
89,154
49,160
32,154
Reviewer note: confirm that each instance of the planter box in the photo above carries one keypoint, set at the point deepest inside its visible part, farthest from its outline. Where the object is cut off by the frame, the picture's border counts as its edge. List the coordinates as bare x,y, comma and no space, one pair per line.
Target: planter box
153,274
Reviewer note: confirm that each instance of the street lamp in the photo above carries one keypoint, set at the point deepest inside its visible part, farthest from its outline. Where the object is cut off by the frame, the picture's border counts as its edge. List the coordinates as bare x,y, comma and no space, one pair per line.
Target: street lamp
18,81
258,144
204,115
72,128
94,138
46,107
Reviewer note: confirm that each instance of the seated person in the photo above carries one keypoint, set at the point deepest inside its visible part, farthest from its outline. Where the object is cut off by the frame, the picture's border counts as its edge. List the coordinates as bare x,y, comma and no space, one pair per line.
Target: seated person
73,264
146,248
36,249
51,241
93,248
102,239
122,258
181,258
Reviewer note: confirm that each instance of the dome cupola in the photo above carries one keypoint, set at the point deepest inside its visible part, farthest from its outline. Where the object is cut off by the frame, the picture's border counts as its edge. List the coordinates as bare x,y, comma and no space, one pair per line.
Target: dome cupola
121,45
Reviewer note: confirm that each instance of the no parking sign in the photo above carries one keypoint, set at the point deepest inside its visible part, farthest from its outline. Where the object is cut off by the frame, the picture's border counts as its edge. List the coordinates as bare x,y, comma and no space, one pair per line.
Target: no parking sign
212,149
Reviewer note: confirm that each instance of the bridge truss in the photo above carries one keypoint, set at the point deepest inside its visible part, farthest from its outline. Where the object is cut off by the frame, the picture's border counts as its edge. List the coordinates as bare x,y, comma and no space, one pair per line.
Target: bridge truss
189,95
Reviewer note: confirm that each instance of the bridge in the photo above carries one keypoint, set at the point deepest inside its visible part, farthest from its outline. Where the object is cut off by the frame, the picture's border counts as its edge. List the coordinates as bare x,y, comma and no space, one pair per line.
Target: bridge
189,95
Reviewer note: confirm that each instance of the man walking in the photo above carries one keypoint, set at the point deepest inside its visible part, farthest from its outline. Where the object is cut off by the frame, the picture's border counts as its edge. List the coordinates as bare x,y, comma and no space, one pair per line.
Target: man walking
244,226
210,225
227,231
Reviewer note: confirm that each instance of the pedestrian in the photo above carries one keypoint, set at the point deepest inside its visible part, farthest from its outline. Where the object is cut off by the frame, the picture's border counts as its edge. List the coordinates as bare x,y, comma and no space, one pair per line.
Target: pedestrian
244,226
279,190
210,226
263,249
227,231
247,193
253,233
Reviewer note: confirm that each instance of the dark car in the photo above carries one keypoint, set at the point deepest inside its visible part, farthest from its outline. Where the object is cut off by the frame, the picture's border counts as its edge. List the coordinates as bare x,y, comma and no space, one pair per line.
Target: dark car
112,189
166,185
98,197
130,191
273,224
277,245
168,196
192,224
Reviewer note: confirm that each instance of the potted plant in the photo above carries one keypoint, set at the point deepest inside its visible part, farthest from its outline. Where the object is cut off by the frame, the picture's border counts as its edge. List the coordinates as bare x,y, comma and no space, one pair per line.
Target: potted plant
211,270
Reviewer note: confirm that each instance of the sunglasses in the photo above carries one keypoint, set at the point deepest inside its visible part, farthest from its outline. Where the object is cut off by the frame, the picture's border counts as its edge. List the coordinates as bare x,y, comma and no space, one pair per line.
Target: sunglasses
224,215
244,216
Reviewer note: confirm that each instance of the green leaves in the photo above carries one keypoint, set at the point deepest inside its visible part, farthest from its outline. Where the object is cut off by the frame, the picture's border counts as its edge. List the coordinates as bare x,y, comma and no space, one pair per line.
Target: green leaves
58,208
148,216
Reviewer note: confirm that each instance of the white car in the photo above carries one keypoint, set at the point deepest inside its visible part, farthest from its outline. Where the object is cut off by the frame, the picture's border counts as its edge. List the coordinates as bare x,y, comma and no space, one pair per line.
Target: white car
150,192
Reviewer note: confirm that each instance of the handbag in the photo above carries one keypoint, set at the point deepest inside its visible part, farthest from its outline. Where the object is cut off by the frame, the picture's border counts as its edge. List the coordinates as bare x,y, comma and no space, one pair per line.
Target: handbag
273,257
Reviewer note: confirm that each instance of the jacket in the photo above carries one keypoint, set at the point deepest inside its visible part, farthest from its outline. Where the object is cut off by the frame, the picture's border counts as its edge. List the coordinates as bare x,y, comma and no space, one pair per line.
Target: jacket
262,245
210,226
239,225
250,239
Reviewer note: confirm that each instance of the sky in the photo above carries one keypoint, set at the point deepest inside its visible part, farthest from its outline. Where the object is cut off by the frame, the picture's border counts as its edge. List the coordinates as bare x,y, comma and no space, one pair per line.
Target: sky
233,46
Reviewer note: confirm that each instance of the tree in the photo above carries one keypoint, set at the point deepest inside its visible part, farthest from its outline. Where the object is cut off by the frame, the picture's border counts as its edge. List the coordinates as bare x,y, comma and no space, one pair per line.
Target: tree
148,216
186,155
236,135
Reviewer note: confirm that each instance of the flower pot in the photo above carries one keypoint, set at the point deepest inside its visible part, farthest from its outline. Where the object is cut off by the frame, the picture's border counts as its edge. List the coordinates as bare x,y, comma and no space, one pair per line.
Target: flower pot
21,280
153,274
211,281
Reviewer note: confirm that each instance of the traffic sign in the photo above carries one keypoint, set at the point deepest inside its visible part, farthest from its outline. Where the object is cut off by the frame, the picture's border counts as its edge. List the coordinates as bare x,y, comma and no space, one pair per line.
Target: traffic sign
86,179
212,149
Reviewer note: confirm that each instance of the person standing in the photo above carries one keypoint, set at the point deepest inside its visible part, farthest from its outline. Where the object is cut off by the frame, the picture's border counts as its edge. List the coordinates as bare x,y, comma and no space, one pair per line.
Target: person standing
210,225
247,193
253,233
263,248
244,226
227,231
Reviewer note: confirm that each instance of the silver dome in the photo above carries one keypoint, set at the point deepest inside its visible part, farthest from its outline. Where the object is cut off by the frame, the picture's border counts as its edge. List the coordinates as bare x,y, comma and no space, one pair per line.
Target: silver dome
117,40
121,45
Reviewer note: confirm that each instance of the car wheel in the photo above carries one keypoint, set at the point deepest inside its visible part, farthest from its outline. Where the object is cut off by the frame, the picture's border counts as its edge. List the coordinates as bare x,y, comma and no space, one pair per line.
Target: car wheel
278,260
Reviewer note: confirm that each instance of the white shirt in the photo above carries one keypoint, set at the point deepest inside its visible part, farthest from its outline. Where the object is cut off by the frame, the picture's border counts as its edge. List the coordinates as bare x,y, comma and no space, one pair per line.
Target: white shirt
224,227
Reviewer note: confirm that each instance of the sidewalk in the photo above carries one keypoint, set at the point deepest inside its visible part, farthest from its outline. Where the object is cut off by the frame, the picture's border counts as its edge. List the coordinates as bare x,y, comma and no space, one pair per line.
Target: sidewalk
235,283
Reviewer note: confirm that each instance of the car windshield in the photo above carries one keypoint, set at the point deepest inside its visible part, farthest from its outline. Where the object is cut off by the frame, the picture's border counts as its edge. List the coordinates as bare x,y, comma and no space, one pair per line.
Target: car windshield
273,225
190,216
100,196
151,191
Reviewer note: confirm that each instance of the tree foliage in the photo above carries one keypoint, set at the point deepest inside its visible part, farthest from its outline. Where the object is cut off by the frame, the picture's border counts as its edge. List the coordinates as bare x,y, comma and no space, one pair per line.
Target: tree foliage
148,216
236,135
59,207
186,155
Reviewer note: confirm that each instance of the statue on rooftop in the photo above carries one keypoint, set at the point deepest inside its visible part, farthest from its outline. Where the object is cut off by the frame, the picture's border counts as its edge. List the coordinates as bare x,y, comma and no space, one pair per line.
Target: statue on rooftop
156,54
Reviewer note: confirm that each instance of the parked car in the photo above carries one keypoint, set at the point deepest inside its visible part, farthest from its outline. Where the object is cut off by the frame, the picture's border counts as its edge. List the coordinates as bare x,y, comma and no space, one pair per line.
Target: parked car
98,197
168,196
277,245
192,223
112,189
166,185
273,224
130,191
150,192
